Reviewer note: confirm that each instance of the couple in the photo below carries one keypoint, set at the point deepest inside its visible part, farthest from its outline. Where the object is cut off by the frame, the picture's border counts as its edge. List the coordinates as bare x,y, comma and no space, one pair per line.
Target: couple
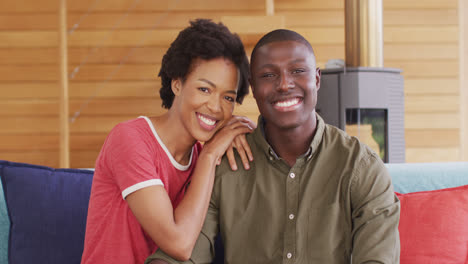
312,194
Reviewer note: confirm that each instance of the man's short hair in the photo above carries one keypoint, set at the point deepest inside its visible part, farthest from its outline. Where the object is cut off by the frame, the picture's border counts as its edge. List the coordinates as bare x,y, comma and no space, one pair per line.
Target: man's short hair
280,35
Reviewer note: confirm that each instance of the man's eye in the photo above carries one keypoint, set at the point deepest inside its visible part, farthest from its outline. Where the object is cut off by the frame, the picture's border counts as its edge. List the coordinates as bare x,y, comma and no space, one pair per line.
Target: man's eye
298,70
203,89
267,75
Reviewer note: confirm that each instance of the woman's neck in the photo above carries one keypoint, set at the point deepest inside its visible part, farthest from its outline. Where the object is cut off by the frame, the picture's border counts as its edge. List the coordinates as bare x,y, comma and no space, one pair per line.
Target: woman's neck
174,136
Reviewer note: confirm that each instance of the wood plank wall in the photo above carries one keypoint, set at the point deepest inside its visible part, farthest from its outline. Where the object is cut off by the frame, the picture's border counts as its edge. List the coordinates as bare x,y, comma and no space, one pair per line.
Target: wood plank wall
116,50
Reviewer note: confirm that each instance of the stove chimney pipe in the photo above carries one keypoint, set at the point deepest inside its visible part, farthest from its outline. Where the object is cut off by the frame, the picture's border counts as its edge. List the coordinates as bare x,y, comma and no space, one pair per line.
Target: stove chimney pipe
364,33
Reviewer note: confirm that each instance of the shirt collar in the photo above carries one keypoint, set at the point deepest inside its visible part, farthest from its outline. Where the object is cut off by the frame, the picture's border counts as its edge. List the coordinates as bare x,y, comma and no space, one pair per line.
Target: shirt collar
260,139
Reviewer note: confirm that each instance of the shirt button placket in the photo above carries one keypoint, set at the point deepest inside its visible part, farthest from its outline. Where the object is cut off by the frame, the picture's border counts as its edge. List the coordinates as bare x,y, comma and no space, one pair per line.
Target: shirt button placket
292,191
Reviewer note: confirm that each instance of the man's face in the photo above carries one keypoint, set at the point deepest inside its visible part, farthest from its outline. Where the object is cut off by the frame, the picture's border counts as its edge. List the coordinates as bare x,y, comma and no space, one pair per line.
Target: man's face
285,81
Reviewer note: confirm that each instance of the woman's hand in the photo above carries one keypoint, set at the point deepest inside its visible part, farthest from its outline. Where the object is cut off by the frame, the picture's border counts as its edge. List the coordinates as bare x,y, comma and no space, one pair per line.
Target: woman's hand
242,146
232,134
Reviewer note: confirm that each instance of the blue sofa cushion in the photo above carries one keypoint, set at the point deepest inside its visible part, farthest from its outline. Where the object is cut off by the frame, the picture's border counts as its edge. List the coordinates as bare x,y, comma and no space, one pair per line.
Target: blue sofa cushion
417,177
4,224
47,209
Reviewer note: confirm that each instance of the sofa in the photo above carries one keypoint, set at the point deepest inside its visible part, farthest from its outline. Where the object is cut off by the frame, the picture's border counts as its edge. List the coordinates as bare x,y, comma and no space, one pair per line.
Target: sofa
43,212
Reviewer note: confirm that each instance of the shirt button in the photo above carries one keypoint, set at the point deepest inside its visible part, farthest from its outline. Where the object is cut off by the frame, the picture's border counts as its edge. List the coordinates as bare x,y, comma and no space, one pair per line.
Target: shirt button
292,175
289,255
291,216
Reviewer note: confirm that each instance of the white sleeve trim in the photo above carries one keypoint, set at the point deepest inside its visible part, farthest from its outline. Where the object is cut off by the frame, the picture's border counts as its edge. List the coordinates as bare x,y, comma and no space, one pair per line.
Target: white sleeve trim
141,185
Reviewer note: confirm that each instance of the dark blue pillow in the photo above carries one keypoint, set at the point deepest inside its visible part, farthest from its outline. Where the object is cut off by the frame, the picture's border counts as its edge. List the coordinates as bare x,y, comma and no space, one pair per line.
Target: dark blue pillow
47,209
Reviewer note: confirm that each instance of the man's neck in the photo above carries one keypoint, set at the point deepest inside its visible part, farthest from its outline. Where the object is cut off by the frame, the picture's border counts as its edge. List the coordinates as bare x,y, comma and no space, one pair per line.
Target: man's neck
291,143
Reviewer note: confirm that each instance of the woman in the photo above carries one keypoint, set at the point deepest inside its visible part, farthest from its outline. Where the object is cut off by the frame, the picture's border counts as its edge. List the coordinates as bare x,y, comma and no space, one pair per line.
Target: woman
140,198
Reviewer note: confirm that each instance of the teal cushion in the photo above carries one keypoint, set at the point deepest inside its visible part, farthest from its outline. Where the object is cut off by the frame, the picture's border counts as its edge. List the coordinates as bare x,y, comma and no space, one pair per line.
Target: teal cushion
4,225
417,177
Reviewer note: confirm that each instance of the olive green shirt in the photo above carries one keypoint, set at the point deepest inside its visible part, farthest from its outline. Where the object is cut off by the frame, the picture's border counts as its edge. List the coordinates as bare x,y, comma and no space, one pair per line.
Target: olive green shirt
337,201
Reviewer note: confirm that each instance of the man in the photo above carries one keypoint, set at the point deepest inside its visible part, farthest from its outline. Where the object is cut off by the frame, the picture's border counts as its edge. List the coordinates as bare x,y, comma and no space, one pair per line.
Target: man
313,194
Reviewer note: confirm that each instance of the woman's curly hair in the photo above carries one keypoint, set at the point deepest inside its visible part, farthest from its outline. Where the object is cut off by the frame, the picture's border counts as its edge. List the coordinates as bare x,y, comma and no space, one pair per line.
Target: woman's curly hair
206,40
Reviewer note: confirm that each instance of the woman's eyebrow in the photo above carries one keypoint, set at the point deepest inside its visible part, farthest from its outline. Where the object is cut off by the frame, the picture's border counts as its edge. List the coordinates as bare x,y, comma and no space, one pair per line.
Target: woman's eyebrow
208,82
214,85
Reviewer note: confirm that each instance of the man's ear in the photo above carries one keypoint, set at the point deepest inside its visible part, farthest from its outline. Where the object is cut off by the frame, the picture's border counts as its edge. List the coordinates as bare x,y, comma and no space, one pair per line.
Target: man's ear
318,76
176,86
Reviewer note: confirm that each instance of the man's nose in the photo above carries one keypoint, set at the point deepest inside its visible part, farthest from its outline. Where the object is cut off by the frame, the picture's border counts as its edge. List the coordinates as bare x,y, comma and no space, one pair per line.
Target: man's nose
285,82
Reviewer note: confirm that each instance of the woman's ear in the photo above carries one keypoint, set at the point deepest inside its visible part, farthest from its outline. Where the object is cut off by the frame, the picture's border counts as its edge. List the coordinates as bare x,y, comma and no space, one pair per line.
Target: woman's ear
176,86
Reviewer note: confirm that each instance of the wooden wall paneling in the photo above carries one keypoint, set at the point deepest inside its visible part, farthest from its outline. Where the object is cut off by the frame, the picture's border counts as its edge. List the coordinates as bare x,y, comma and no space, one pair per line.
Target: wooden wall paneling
28,90
115,89
463,62
422,35
123,37
117,107
253,24
150,19
322,35
83,54
34,107
421,52
116,72
28,142
432,121
121,19
39,157
97,124
420,4
425,86
48,124
425,154
28,39
422,103
64,131
288,5
87,141
171,5
438,138
32,6
29,124
84,158
28,56
28,21
426,69
313,18
329,51
419,17
28,72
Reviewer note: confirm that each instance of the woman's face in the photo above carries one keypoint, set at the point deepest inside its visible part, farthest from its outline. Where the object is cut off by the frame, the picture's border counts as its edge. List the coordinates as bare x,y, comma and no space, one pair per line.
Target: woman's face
205,100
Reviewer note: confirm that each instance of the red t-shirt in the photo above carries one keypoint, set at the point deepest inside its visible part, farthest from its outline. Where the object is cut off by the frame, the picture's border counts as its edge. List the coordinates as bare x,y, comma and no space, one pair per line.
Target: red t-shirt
132,157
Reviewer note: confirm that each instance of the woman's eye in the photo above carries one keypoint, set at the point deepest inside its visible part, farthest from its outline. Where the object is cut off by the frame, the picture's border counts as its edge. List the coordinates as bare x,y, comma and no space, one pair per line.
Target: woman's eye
229,98
203,89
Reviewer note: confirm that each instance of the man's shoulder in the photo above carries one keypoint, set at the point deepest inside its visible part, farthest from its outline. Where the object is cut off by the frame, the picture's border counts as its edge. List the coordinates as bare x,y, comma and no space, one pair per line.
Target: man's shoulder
224,169
339,141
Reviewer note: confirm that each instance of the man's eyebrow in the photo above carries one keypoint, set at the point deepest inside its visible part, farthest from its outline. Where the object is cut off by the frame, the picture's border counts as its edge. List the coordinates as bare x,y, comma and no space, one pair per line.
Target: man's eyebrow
267,66
297,60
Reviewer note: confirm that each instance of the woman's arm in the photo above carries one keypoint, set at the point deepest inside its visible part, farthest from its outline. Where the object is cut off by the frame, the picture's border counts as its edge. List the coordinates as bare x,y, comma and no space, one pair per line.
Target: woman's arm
175,230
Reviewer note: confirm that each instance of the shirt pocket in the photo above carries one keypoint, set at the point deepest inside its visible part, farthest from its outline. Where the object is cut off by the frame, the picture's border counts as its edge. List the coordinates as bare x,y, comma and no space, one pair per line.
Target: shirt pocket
327,235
